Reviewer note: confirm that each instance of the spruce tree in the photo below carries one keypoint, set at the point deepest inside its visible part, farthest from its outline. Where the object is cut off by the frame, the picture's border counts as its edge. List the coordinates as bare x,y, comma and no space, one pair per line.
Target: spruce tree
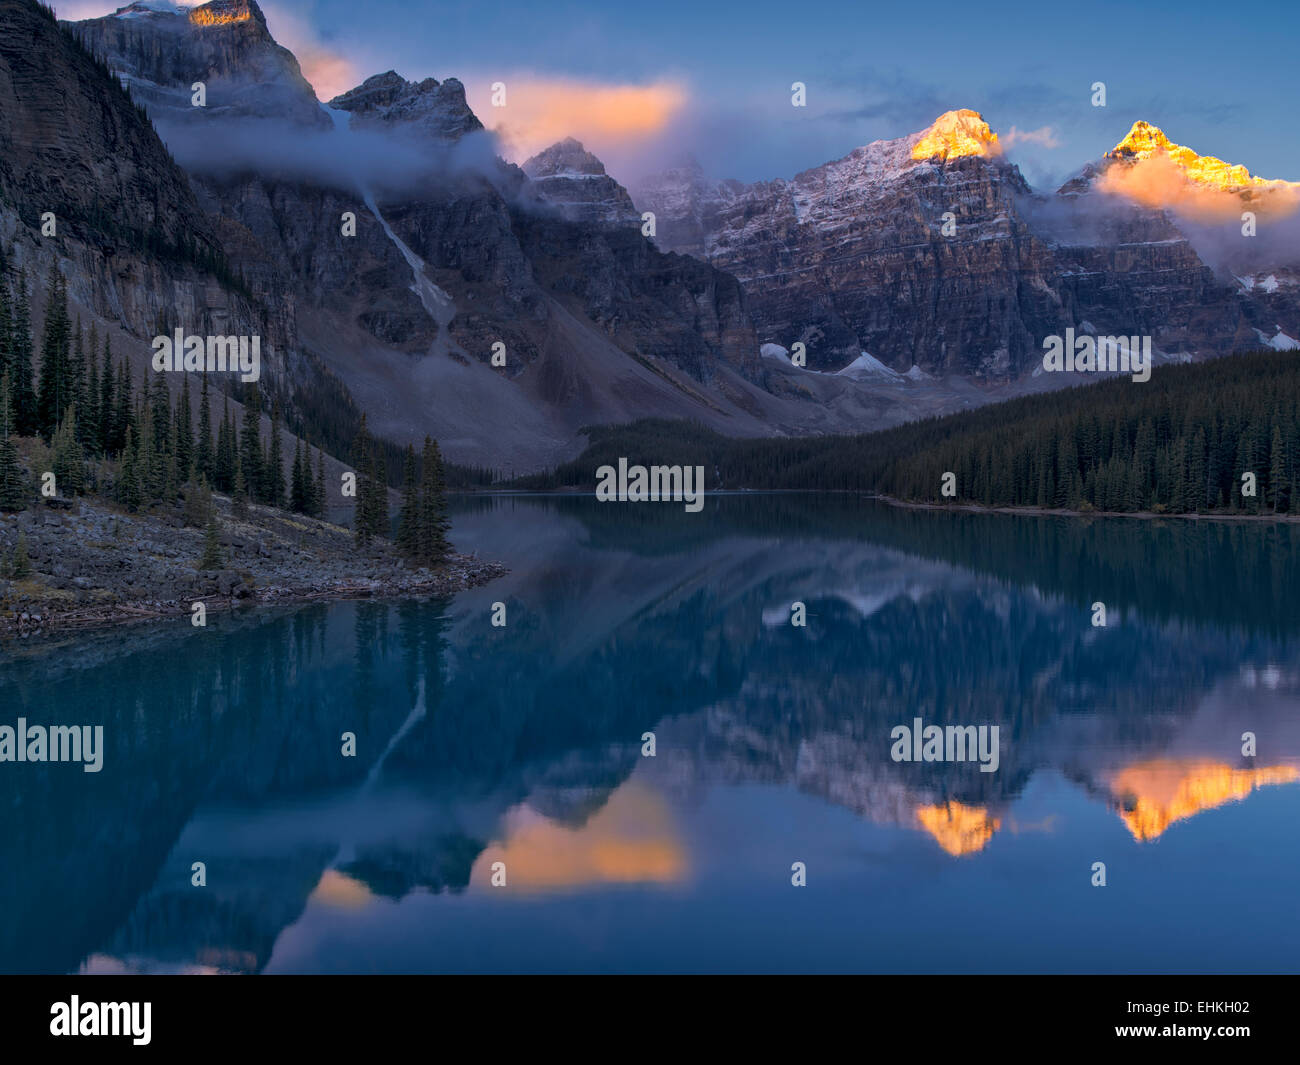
107,437
55,391
275,461
129,488
434,524
212,557
223,462
68,460
363,514
203,448
124,415
408,517
23,393
14,489
6,329
88,401
1277,472
298,500
250,444
184,426
239,496
318,504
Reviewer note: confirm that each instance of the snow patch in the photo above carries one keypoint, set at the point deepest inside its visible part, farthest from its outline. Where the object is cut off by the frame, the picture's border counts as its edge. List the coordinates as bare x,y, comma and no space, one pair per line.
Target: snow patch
867,365
775,351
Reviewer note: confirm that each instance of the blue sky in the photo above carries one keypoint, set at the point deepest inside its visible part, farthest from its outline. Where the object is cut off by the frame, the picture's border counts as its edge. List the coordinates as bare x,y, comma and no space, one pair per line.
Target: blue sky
1213,79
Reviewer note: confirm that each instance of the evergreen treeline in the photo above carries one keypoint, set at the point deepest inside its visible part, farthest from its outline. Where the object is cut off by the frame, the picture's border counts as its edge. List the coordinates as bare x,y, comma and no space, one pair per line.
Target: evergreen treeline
83,404
1178,443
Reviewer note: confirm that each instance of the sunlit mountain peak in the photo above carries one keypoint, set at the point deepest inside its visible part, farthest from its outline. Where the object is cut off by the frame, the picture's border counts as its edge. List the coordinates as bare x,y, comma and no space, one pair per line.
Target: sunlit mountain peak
955,134
957,828
221,13
1145,141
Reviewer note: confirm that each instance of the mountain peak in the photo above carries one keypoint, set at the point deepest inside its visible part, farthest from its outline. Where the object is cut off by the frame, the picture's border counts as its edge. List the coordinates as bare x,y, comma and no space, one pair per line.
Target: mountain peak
955,134
226,13
429,106
1145,141
566,156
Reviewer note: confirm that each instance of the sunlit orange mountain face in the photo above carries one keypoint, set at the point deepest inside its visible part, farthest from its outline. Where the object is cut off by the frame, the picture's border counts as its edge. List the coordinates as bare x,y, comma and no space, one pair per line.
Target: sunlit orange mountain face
955,134
1148,168
1150,796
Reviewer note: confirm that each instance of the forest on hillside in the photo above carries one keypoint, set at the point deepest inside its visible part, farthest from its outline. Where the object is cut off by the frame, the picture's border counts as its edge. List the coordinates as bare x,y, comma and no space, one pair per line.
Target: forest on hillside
1194,439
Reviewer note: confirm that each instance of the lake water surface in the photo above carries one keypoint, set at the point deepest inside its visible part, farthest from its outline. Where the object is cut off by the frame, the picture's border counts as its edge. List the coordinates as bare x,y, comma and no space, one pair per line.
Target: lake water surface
520,748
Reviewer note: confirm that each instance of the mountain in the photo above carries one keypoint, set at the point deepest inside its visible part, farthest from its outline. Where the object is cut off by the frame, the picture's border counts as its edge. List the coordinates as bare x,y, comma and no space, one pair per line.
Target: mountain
159,50
129,232
455,255
855,256
402,268
572,179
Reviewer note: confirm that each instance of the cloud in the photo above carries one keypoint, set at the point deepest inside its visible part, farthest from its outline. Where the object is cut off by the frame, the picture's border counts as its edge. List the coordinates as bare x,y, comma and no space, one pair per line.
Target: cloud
1158,181
1044,137
607,118
382,161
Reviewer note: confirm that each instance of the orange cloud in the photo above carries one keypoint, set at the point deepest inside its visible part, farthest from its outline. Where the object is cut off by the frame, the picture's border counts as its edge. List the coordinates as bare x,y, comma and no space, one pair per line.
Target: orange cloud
540,111
1159,181
631,839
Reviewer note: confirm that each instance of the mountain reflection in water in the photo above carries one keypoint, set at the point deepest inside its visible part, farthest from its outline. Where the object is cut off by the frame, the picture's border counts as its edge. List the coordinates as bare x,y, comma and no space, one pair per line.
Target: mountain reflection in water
520,749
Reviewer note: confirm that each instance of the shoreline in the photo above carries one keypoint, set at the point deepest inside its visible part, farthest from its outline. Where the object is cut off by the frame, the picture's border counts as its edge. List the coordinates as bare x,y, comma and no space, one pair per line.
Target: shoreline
1065,512
458,574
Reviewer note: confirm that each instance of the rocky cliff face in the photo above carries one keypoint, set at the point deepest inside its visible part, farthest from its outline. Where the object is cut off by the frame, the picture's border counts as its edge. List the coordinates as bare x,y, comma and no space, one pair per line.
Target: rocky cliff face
931,250
130,235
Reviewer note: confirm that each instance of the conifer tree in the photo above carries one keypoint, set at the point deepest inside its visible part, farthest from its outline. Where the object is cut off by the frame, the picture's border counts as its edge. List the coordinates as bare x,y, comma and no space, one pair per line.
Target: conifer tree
318,506
203,457
239,496
88,401
434,524
23,392
275,461
68,460
223,465
6,328
55,391
124,417
130,485
14,489
408,517
299,502
212,556
184,426
250,444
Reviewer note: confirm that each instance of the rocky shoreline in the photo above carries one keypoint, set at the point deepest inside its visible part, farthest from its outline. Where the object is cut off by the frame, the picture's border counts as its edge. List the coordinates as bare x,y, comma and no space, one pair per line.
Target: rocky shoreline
94,565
